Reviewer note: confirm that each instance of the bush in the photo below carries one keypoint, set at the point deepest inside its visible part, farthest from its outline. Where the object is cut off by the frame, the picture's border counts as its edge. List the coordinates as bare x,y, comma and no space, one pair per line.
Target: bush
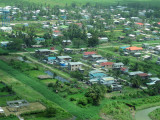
72,99
50,85
50,112
82,102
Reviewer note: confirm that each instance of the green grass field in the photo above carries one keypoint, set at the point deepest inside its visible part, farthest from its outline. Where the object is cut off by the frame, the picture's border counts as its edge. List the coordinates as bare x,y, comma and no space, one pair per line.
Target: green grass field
68,2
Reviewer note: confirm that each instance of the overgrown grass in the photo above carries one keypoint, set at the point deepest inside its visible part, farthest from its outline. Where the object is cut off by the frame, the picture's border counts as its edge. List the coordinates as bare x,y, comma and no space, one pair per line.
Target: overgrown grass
118,110
9,118
155,115
92,112
69,2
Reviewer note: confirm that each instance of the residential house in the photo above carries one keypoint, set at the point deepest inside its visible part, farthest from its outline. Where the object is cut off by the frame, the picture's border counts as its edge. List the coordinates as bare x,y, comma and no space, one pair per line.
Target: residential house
73,66
4,43
118,65
51,59
124,69
137,54
1,110
94,80
108,81
135,73
45,26
39,40
89,35
43,52
64,58
68,50
6,29
95,57
145,45
88,54
134,49
153,80
66,42
116,87
103,39
121,37
108,65
97,74
143,75
101,61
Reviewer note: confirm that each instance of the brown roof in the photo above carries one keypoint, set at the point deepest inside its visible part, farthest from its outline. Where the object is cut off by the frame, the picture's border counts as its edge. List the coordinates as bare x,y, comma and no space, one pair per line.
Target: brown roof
143,74
107,63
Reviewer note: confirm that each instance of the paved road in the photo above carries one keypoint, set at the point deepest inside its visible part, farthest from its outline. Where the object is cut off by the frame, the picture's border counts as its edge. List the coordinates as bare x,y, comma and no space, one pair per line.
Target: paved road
143,114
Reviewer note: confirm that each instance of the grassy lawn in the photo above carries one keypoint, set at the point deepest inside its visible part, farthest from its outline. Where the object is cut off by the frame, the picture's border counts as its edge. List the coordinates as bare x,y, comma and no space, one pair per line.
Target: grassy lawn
68,2
155,115
3,100
9,118
125,91
18,87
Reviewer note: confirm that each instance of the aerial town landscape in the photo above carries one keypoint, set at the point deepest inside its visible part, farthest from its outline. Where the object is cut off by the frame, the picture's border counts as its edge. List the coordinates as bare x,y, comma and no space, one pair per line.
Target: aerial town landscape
79,60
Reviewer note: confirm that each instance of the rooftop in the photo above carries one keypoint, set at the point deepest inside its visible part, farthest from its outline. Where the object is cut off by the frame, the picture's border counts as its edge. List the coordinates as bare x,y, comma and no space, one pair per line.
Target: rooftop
107,63
75,63
89,53
134,48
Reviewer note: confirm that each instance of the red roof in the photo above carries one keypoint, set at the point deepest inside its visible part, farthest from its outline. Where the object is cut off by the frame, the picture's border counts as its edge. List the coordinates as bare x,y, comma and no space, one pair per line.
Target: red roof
123,69
143,74
158,23
139,23
107,63
89,53
134,48
56,31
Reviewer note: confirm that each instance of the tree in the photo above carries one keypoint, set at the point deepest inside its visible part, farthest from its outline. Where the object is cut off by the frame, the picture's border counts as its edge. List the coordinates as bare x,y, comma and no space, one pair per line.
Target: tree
92,42
96,93
136,81
77,74
15,45
77,42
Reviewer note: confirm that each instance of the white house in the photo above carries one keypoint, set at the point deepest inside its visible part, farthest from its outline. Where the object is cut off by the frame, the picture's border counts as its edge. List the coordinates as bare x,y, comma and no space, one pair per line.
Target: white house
6,29
73,66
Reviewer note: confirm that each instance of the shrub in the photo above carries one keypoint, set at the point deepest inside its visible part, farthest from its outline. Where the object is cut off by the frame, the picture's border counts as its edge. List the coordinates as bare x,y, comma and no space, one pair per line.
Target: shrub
50,85
72,99
50,112
82,101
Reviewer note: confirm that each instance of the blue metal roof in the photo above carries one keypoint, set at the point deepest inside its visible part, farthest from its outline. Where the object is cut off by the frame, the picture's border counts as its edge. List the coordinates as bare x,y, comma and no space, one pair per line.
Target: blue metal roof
39,39
51,58
124,47
97,75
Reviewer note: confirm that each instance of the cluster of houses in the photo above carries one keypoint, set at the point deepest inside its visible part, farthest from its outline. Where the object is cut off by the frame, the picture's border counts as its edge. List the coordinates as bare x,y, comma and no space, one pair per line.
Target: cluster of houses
63,61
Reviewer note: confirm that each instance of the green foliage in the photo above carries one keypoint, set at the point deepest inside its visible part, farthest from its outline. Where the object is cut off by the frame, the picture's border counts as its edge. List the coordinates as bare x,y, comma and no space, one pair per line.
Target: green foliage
3,52
154,89
11,117
118,110
94,41
22,66
82,102
155,115
49,95
77,74
95,94
15,45
50,112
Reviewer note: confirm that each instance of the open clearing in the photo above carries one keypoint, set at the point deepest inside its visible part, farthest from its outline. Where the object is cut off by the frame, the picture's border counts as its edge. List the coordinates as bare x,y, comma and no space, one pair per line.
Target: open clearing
32,107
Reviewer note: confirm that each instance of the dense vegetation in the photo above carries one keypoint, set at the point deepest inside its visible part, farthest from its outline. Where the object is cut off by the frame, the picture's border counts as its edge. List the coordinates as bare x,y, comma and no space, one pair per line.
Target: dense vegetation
155,115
